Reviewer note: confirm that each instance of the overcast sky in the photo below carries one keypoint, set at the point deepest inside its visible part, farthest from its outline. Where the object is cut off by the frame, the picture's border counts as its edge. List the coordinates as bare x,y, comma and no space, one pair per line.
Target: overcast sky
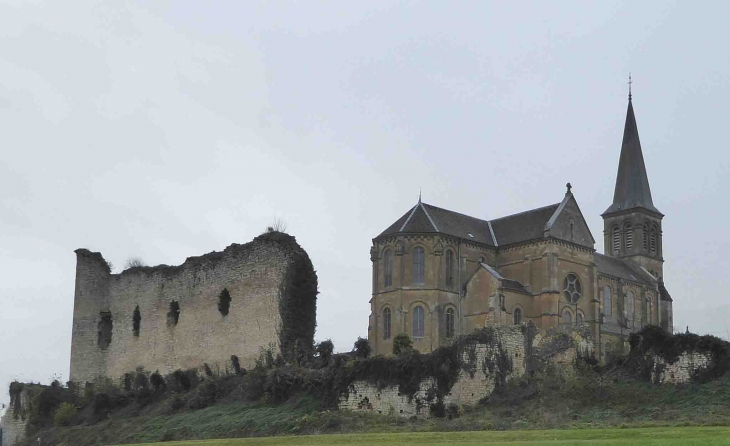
170,129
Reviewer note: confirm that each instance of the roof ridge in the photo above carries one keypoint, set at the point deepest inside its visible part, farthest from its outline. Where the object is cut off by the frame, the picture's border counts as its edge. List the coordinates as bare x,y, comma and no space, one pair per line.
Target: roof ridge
454,212
413,211
525,212
491,231
429,217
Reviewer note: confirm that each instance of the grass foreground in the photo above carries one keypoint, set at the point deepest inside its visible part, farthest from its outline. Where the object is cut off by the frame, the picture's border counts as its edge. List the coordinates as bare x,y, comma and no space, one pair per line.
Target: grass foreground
666,436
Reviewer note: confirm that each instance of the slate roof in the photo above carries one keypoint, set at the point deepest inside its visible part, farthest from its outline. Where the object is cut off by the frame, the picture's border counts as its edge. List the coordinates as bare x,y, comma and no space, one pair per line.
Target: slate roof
632,184
622,269
514,285
425,218
524,226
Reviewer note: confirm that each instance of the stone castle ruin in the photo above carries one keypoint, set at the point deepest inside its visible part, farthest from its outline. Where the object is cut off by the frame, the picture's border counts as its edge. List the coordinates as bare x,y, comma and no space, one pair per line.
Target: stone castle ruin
259,295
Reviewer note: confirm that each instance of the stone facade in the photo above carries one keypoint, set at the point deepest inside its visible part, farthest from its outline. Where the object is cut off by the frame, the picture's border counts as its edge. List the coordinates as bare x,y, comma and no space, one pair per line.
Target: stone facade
170,317
512,352
438,274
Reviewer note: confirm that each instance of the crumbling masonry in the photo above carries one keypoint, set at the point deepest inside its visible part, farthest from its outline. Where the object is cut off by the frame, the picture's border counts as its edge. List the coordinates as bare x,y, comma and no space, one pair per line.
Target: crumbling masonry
258,295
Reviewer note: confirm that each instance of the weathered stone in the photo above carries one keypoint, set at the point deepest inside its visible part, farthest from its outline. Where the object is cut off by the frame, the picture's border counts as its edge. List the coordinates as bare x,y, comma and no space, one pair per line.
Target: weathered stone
269,308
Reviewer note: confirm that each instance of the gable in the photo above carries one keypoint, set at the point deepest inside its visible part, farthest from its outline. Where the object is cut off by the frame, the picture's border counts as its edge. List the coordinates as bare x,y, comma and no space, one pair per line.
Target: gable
567,223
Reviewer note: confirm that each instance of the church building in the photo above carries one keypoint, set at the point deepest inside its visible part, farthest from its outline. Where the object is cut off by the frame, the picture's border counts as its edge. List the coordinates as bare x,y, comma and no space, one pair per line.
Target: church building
438,273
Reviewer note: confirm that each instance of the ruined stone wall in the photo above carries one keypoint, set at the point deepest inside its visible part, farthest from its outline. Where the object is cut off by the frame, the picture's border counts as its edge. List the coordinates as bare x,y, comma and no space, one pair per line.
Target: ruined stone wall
269,307
15,419
13,429
680,371
511,353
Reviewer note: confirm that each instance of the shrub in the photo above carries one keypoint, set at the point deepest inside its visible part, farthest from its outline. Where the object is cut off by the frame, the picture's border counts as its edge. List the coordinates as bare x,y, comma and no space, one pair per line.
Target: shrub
402,344
158,382
134,262
64,414
236,364
182,381
362,348
324,349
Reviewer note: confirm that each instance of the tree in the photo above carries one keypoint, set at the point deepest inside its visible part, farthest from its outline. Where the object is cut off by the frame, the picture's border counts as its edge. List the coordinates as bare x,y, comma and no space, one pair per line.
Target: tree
362,348
402,344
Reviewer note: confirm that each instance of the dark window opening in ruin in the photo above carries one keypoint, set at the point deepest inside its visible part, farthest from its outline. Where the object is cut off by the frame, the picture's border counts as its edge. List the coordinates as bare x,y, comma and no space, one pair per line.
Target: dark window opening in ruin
105,330
173,316
136,319
224,302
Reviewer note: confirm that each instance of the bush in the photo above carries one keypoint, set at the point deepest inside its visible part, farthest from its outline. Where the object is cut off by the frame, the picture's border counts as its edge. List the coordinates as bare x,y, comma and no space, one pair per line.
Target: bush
362,348
325,349
236,364
64,414
158,382
402,344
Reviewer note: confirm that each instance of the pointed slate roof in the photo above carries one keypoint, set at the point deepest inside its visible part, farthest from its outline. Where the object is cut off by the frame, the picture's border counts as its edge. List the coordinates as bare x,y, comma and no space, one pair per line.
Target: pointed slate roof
632,184
425,218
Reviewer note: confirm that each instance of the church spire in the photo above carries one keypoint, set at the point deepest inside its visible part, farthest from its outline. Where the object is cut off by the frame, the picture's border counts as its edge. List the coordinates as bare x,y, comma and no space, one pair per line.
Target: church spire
632,184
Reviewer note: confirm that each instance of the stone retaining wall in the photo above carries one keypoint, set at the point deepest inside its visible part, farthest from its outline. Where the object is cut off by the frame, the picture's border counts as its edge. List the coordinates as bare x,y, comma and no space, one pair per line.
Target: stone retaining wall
680,371
508,356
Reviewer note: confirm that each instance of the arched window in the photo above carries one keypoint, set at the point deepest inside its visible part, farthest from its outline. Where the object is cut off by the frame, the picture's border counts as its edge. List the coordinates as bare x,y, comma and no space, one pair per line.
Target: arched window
567,319
450,323
607,300
628,236
517,316
419,265
616,239
630,305
645,238
449,268
572,288
647,306
386,323
419,321
388,267
579,319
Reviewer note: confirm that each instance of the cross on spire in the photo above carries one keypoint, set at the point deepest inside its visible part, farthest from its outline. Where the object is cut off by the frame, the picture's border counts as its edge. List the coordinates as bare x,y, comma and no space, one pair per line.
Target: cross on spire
630,82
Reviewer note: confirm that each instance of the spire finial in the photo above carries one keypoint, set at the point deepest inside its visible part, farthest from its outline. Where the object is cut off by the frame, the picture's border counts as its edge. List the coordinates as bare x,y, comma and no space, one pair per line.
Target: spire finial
419,194
568,186
630,82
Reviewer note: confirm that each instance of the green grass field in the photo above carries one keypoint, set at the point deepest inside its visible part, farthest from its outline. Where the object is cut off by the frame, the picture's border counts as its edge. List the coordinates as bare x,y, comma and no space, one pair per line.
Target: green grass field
685,436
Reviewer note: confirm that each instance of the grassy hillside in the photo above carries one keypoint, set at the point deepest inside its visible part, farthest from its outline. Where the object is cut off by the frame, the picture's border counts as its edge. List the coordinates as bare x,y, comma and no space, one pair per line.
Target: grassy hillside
586,401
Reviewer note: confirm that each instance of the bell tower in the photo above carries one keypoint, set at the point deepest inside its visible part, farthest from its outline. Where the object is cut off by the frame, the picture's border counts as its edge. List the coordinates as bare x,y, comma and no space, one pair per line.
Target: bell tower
632,225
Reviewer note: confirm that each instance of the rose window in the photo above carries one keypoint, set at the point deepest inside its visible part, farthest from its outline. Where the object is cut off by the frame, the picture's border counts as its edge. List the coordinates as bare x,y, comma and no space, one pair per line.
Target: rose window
572,288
